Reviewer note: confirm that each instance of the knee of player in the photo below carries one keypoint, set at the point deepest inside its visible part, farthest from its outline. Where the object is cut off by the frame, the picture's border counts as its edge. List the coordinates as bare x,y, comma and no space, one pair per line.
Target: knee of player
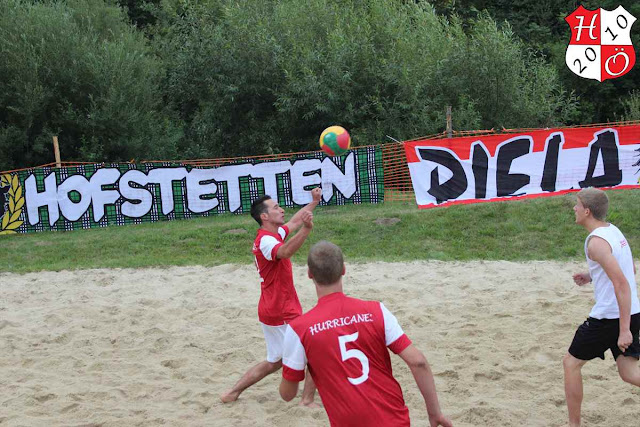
625,377
570,362
631,377
286,397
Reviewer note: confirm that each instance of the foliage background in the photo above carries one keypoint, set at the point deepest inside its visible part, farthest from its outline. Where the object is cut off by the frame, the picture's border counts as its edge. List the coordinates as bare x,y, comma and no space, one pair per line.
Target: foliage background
123,79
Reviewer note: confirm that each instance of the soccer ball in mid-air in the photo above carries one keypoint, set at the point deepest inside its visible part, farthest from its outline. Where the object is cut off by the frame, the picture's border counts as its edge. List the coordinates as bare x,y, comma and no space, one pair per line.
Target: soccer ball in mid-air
335,140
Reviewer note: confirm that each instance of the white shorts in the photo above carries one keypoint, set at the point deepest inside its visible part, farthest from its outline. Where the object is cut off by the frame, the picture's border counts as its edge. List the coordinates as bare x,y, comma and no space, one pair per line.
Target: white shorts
274,336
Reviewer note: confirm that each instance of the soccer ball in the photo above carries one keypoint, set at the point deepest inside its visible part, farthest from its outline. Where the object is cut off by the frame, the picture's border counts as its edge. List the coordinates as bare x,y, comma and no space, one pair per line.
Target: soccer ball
335,140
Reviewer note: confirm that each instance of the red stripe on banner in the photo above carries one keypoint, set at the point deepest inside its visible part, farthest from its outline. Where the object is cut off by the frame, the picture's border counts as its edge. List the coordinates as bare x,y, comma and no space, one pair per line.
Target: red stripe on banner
573,138
629,135
528,196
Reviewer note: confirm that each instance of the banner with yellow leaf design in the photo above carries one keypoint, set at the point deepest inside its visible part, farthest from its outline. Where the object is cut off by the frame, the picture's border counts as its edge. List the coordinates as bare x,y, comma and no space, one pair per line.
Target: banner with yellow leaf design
12,191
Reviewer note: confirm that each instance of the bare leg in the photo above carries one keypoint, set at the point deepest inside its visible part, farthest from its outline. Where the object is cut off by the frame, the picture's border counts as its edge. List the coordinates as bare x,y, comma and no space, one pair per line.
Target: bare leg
573,387
308,392
251,377
629,370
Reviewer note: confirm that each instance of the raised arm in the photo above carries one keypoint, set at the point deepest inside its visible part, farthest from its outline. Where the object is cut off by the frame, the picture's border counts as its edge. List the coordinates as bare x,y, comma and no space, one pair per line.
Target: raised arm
421,371
293,244
600,251
296,220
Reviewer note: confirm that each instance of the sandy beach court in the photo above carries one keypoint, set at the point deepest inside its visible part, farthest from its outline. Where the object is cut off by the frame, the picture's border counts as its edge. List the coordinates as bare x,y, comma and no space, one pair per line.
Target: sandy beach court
149,347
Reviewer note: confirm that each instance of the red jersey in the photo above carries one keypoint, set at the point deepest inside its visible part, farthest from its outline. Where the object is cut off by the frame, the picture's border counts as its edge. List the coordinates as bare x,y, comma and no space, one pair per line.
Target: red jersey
279,302
344,342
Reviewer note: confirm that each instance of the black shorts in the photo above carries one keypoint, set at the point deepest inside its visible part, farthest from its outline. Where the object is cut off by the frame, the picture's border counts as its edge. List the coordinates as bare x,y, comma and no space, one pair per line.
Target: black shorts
595,336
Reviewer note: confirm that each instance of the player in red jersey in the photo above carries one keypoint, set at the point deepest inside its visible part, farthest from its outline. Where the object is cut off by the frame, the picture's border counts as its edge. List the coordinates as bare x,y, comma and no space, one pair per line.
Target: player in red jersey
279,302
344,342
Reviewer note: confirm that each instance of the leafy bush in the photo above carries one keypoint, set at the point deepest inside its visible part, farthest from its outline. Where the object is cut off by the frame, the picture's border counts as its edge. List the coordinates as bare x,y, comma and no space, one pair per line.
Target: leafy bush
214,78
77,70
267,76
632,106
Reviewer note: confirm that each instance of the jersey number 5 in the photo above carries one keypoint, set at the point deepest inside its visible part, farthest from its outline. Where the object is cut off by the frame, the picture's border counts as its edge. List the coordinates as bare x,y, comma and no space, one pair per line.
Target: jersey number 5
354,353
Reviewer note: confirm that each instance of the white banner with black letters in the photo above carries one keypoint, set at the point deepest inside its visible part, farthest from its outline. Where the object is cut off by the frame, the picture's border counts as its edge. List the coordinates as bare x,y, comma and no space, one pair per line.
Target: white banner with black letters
532,164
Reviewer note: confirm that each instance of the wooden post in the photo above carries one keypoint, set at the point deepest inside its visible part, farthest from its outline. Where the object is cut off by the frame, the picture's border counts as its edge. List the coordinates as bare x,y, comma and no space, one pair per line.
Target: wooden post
56,151
449,123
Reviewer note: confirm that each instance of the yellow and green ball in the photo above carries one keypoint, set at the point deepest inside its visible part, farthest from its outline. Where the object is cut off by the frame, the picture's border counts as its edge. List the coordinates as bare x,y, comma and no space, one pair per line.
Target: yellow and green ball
335,140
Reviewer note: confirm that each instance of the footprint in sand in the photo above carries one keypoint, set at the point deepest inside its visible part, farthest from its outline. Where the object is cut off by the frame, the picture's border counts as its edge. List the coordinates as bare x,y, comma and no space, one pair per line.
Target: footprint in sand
491,376
597,377
594,419
174,364
44,397
6,323
558,403
200,407
69,408
448,374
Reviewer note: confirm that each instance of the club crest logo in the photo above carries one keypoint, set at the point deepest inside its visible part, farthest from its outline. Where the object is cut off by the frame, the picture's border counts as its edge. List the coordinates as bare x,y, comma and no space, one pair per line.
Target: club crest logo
600,47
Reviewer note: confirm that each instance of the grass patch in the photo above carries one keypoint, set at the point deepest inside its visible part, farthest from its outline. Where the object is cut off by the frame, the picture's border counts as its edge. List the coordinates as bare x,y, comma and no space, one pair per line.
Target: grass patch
538,229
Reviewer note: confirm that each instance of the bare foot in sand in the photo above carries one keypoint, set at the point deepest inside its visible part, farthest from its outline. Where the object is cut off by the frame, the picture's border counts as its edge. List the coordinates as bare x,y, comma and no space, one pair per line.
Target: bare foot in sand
311,404
229,397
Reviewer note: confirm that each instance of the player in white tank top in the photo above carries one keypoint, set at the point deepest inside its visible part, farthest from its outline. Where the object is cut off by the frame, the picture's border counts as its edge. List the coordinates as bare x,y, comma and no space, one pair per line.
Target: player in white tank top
614,321
606,306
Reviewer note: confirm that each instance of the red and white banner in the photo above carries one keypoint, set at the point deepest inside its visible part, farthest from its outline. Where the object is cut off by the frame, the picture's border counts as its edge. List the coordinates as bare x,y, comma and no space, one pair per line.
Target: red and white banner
532,164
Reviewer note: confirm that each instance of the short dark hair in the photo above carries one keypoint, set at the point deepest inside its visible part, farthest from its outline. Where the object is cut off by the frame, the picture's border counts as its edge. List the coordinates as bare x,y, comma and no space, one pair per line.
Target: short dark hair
325,262
258,208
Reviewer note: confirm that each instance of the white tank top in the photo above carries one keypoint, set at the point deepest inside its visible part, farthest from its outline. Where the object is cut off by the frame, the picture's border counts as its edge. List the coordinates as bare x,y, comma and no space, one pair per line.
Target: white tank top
606,306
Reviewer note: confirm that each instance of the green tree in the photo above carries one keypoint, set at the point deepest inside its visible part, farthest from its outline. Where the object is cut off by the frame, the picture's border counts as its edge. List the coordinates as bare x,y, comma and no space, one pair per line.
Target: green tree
256,77
541,26
632,106
140,13
78,70
214,78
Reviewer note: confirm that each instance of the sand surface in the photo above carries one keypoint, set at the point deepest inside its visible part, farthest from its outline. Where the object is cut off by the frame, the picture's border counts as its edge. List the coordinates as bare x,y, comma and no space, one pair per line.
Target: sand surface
152,347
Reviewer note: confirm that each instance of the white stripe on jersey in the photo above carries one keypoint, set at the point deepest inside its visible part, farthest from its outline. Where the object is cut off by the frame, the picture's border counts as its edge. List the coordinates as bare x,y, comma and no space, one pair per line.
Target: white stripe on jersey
392,329
294,356
267,243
